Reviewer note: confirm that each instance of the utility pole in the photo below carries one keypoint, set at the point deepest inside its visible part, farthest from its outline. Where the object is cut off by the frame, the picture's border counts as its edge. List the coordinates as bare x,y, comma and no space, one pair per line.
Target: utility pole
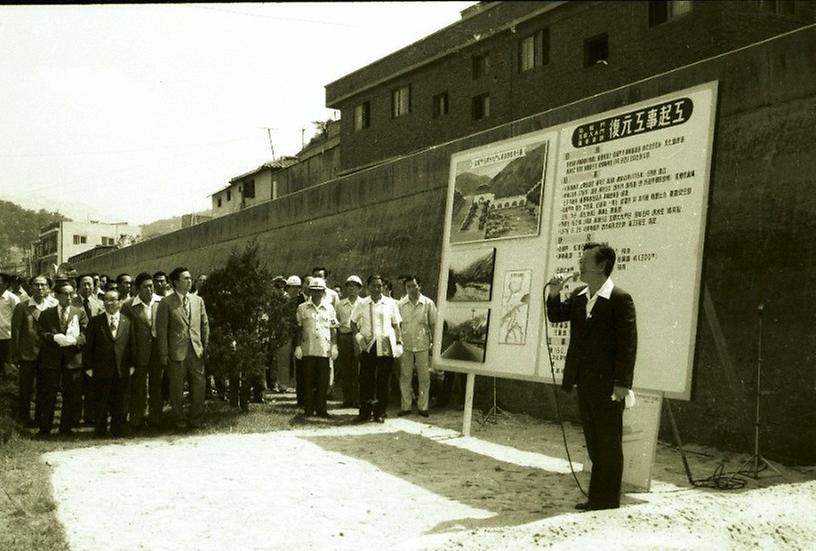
271,147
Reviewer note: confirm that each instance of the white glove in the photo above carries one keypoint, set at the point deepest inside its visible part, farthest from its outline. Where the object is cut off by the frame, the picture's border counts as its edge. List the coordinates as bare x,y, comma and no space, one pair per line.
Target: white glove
298,352
89,373
132,370
63,341
398,351
334,352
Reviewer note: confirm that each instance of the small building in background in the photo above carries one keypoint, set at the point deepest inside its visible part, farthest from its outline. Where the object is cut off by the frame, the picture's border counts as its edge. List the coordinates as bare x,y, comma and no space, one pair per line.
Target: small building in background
62,240
248,189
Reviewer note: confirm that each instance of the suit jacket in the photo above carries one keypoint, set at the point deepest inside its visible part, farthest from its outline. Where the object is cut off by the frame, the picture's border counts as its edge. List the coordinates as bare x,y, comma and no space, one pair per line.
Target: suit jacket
174,331
145,347
103,353
25,343
95,305
602,348
52,355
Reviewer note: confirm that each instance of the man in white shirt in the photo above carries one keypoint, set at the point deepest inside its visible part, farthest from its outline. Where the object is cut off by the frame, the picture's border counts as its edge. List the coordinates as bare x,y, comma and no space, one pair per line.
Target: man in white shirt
148,370
418,314
375,322
8,301
315,345
347,362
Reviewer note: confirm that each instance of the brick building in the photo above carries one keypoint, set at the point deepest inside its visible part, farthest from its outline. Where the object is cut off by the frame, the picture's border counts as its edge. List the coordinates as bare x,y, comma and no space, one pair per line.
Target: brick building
507,60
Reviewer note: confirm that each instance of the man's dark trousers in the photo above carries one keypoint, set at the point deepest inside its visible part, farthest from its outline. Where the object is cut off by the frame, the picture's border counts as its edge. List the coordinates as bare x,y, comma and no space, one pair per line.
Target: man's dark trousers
375,372
111,394
315,384
602,422
28,372
49,382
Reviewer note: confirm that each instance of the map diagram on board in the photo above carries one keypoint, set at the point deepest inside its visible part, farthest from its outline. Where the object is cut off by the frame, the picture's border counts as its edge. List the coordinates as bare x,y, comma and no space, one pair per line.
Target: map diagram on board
499,195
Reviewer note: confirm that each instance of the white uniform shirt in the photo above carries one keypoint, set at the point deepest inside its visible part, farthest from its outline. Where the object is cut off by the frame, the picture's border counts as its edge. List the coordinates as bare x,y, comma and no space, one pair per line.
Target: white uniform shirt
417,320
376,321
8,301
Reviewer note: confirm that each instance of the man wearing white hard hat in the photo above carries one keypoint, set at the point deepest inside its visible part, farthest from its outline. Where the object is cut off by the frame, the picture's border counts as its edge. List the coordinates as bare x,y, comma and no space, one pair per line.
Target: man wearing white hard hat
315,343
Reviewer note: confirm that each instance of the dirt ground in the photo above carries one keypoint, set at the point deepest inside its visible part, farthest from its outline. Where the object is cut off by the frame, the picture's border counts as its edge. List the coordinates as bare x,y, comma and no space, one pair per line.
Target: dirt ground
410,483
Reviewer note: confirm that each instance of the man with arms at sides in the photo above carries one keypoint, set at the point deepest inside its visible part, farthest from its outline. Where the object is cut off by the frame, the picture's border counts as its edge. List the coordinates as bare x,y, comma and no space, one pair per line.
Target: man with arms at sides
182,330
86,299
348,359
315,344
375,322
62,334
148,370
108,357
418,314
25,343
600,361
8,302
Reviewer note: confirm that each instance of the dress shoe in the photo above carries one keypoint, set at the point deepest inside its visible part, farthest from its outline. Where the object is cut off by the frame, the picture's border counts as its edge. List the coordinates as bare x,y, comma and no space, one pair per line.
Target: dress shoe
424,413
583,506
361,419
404,412
379,419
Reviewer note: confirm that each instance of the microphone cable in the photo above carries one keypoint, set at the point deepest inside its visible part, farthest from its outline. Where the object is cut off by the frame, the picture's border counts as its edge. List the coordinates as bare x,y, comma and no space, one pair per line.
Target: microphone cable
555,396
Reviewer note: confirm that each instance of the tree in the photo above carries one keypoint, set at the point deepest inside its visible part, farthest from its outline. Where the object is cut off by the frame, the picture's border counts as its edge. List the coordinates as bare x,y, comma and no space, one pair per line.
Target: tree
247,318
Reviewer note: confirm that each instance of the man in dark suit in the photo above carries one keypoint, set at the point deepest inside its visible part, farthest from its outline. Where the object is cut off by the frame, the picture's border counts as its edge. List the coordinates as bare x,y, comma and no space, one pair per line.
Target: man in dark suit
600,361
107,357
146,383
62,334
86,299
182,330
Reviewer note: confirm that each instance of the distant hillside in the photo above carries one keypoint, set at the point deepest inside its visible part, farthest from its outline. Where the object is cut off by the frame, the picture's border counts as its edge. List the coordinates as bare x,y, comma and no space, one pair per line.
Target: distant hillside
479,271
19,227
520,174
467,182
166,225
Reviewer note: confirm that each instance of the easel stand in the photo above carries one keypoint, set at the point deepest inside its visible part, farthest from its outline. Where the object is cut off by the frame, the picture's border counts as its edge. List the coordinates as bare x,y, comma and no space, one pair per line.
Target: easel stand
757,462
492,414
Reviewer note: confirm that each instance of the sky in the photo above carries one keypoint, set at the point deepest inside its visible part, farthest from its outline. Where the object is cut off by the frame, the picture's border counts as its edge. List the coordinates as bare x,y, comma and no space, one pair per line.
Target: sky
137,113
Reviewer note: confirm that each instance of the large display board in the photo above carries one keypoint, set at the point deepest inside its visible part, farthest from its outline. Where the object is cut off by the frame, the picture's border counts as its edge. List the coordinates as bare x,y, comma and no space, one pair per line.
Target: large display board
635,177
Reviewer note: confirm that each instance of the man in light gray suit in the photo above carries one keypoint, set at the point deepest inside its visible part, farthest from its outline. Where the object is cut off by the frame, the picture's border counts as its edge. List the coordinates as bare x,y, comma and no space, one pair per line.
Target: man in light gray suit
182,331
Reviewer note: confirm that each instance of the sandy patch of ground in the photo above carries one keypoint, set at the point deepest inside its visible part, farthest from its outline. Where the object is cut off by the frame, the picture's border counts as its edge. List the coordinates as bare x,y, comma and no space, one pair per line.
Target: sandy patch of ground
403,485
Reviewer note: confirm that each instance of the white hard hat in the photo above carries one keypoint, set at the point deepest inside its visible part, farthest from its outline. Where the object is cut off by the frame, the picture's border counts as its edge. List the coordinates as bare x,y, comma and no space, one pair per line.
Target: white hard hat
293,281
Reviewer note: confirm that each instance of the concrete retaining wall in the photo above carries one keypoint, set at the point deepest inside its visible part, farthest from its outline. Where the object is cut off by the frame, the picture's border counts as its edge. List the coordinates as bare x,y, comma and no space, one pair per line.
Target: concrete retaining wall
759,243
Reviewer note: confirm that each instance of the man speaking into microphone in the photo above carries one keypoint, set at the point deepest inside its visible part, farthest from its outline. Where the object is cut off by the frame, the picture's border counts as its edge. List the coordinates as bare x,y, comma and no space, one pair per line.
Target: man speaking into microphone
600,361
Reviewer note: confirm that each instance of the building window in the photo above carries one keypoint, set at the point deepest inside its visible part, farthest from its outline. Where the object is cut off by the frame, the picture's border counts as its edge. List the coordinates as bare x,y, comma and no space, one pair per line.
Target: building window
440,105
249,189
481,65
362,116
661,11
596,50
80,239
229,195
534,50
400,102
219,202
481,106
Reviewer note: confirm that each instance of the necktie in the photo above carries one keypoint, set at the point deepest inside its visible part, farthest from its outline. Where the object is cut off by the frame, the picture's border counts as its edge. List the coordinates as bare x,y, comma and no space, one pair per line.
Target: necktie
87,307
113,326
64,317
187,307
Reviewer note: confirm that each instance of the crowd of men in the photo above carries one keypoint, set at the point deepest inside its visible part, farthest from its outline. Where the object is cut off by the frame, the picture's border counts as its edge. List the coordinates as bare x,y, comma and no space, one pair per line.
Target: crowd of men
117,350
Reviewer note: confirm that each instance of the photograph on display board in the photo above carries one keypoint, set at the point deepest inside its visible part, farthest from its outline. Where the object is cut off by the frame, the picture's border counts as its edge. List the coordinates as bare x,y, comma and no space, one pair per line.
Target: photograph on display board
470,276
515,307
499,193
464,334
